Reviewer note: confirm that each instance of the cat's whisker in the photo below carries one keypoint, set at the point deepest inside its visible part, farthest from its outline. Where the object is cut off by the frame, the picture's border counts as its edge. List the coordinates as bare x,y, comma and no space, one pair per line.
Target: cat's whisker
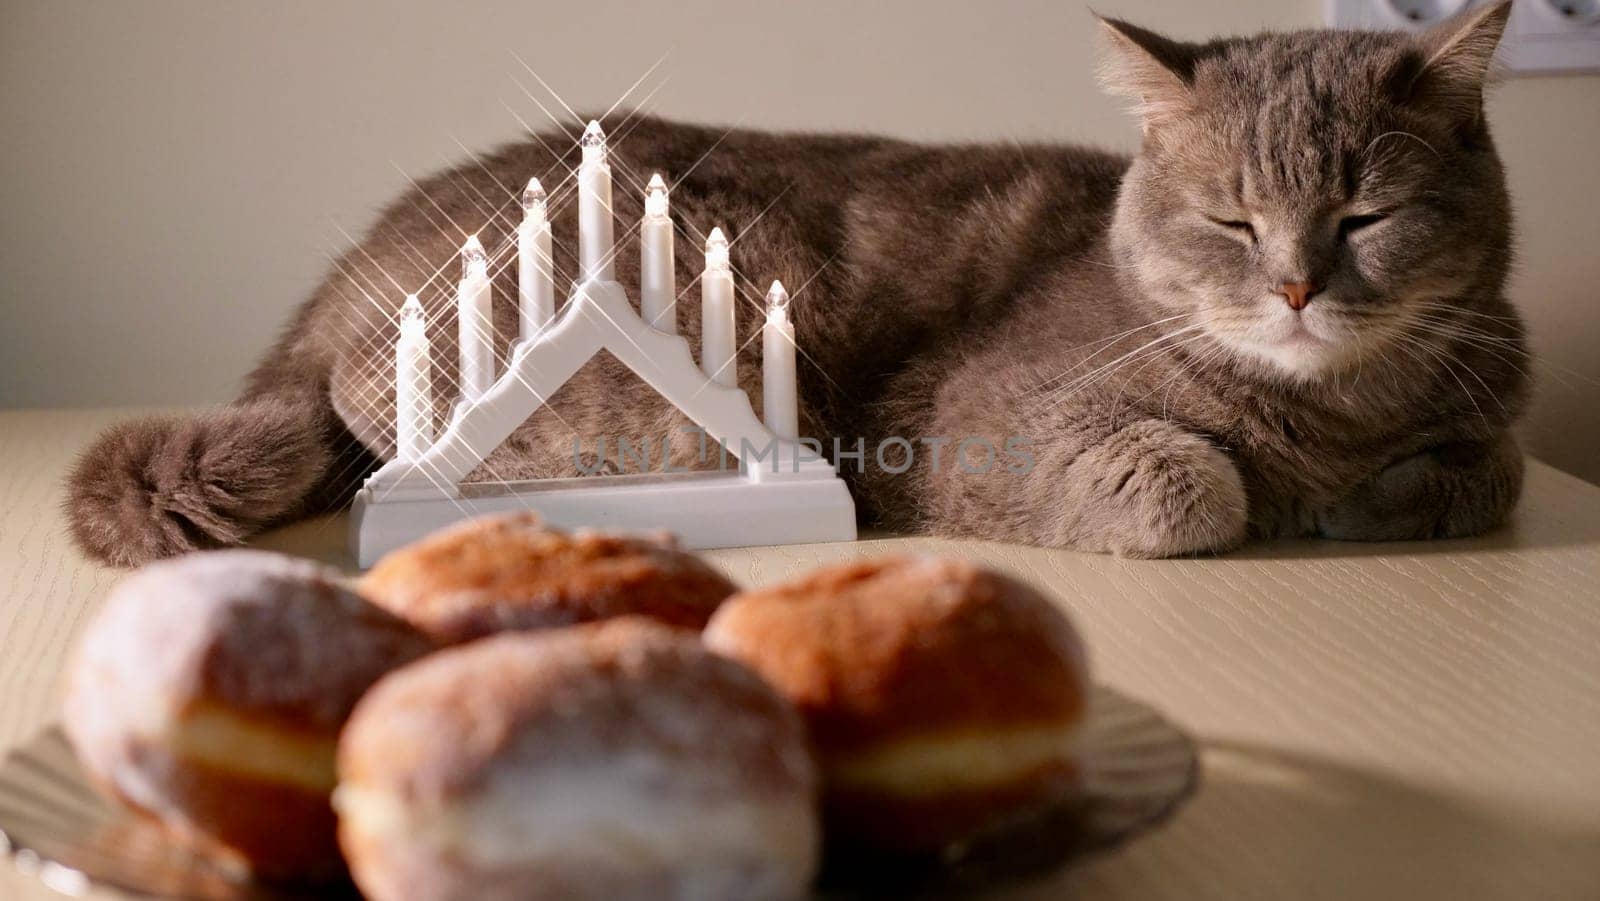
1129,358
1481,340
1562,375
1442,314
1151,359
1463,311
1101,344
1220,351
1409,341
1465,328
1487,344
1059,395
1187,367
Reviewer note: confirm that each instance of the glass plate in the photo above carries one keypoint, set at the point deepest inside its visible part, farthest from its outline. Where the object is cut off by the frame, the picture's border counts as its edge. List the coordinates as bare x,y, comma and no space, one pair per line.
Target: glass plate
1138,768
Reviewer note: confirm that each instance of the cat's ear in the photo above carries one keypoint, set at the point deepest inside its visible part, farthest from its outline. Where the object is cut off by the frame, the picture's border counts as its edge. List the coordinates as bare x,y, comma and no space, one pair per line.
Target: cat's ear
1457,57
1155,72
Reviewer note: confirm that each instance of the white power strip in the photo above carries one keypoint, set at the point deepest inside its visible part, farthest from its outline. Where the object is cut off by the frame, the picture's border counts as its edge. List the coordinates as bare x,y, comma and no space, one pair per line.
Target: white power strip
1543,36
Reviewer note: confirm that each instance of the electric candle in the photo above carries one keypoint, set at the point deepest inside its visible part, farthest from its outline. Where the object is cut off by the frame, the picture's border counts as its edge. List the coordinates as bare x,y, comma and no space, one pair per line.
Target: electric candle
594,207
717,344
476,318
413,383
780,402
536,286
404,499
656,287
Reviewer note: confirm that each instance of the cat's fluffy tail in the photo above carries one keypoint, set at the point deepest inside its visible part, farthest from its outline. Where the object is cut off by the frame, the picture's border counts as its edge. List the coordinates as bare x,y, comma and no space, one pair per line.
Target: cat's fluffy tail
163,485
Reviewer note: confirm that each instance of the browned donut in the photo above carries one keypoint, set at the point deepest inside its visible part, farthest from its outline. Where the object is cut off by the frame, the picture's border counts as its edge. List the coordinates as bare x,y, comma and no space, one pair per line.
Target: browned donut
942,699
511,572
610,760
209,692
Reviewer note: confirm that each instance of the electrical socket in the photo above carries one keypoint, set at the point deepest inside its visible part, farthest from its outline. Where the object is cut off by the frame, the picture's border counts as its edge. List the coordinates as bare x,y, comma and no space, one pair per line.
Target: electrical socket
1543,36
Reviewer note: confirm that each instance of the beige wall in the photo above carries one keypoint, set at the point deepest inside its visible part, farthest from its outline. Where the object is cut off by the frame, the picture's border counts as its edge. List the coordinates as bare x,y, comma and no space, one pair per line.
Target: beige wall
173,175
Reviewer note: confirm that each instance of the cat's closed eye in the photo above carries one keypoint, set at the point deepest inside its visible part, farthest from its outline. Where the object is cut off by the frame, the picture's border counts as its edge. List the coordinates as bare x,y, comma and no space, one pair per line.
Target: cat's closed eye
1238,227
1349,225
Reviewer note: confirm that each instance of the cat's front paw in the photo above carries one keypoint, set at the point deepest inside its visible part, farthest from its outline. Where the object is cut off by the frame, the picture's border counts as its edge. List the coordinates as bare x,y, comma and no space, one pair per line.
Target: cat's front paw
1155,490
1449,492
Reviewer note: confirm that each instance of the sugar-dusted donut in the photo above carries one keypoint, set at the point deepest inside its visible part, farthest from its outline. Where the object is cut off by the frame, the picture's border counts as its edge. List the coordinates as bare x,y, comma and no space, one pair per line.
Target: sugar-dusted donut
511,572
209,691
943,699
611,760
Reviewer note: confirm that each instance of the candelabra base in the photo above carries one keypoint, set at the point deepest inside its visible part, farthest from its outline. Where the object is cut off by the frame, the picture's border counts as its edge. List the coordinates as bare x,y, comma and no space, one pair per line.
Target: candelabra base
704,510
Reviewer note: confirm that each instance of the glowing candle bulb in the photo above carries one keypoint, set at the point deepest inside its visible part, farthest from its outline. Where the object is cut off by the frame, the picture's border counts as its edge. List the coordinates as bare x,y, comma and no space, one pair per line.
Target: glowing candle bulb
777,299
657,290
536,286
780,402
533,200
413,383
655,197
475,317
594,207
717,251
593,142
473,257
717,342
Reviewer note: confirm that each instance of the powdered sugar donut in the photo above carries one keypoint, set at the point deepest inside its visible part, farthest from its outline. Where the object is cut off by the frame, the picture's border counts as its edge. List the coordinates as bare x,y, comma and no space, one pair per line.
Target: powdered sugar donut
943,699
511,571
611,760
209,691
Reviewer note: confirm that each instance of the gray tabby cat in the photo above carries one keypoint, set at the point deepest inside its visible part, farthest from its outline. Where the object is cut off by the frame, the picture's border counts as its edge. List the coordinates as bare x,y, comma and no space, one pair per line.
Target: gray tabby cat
1284,316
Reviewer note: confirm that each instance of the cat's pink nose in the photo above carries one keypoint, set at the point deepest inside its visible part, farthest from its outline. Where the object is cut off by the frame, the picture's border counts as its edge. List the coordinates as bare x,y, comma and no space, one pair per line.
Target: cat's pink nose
1298,294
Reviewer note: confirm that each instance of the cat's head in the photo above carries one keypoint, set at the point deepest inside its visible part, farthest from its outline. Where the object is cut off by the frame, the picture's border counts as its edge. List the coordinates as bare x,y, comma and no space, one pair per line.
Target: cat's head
1305,196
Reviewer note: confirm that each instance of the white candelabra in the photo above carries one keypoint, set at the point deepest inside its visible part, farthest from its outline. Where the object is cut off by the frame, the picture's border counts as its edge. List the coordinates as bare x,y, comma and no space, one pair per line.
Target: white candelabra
781,493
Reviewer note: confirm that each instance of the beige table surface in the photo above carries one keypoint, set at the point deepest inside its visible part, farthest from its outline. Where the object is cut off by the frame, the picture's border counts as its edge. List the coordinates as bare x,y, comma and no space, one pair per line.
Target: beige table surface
1378,721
